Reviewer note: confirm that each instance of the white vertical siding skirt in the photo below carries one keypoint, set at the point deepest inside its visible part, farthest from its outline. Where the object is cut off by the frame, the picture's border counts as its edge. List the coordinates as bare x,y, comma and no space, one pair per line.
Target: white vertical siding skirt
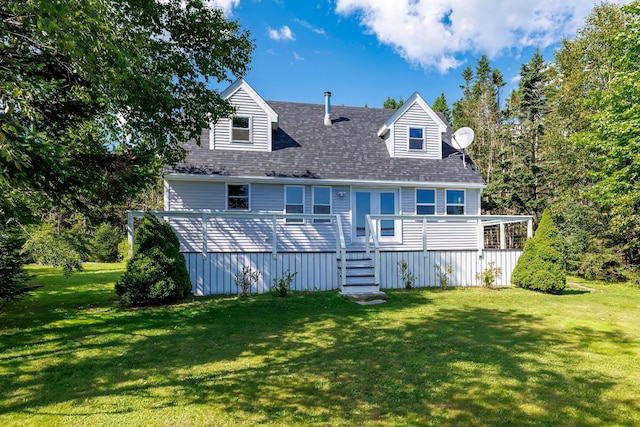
317,271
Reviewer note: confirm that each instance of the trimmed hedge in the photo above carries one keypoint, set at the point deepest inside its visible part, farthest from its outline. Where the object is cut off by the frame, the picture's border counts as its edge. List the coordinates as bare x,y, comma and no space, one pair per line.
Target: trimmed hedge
156,273
542,266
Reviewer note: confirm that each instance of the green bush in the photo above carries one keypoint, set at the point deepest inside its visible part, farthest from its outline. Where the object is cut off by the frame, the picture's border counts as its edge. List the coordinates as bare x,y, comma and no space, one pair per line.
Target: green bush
104,244
282,285
47,247
123,250
541,266
12,274
156,273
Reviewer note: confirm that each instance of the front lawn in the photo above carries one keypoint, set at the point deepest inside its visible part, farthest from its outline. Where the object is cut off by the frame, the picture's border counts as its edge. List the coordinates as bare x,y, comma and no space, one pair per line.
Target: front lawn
71,355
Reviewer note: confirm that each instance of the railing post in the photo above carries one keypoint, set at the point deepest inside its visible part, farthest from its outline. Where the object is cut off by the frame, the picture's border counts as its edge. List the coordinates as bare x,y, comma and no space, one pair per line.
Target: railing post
274,249
376,266
424,236
530,228
367,233
205,235
503,238
130,232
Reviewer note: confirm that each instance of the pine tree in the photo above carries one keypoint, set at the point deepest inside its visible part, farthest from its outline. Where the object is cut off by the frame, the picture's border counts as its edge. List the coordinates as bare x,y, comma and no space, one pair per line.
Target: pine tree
440,105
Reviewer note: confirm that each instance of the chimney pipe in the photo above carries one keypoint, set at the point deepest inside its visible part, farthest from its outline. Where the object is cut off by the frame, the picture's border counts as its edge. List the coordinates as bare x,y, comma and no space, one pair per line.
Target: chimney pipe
327,108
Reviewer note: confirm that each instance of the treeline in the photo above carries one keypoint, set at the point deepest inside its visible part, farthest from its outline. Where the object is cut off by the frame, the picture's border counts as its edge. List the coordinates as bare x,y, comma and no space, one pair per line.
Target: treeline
568,138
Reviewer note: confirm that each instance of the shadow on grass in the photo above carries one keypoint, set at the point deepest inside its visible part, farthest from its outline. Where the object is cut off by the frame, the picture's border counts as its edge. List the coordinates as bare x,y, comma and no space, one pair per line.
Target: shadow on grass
321,358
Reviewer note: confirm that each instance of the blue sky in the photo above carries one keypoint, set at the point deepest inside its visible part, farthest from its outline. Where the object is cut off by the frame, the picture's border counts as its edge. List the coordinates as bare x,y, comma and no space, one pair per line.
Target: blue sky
366,50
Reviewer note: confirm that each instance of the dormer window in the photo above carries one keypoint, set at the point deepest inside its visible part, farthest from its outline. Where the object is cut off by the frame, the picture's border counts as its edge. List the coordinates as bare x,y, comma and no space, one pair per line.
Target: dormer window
241,129
416,139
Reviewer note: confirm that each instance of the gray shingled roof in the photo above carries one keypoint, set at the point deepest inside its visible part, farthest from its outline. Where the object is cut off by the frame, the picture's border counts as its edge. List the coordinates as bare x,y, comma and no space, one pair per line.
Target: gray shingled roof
348,150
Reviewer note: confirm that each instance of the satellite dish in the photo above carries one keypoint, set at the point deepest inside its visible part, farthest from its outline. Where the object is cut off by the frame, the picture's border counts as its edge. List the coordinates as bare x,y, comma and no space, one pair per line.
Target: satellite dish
462,138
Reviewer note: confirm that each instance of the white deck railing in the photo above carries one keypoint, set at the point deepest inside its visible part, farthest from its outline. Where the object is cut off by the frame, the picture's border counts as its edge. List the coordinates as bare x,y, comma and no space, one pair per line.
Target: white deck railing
373,221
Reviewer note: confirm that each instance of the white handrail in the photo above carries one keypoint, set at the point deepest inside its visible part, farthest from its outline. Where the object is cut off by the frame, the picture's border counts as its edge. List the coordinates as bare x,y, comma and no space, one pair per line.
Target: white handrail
341,251
371,233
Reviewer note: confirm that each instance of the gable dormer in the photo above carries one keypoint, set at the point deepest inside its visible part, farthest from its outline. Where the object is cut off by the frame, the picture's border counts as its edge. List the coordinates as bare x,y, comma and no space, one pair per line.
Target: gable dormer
252,125
414,130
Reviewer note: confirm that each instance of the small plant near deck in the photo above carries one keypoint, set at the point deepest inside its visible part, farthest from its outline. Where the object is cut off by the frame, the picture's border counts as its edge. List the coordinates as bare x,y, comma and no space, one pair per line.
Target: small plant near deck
444,275
489,275
245,279
282,285
408,278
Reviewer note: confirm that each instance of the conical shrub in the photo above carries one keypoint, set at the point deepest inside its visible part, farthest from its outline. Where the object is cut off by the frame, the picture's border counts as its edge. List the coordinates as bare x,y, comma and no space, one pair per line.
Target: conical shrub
541,266
156,273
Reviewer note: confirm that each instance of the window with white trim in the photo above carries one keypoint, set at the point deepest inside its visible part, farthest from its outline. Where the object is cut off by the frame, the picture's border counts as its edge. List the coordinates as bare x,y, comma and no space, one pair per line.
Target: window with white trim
294,202
425,201
238,197
321,200
241,129
416,139
455,202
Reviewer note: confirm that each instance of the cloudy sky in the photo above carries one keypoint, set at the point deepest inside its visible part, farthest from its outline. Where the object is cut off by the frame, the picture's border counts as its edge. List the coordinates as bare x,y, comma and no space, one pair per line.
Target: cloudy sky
366,50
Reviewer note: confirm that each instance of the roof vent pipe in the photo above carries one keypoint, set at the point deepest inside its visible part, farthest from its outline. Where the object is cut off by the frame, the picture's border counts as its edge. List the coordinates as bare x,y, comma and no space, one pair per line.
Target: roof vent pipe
327,108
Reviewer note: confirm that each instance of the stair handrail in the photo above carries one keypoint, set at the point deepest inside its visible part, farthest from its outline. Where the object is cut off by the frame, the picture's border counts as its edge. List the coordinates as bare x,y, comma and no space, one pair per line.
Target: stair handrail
371,234
341,251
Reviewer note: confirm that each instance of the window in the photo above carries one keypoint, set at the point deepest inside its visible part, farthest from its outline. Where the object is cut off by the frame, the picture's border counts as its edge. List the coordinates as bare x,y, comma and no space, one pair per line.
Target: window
416,139
425,202
321,203
294,202
455,202
241,129
238,197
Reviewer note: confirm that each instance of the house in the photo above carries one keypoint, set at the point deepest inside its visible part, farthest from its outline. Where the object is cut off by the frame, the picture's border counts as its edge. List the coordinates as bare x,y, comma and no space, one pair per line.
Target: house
339,195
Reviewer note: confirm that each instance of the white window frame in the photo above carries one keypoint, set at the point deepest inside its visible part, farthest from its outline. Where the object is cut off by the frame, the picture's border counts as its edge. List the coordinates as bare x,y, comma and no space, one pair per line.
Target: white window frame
313,204
447,204
434,204
294,221
424,144
226,190
250,129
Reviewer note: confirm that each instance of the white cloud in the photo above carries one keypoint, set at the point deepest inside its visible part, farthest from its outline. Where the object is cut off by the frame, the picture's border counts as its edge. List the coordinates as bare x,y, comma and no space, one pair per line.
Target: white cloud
316,30
297,57
436,33
283,33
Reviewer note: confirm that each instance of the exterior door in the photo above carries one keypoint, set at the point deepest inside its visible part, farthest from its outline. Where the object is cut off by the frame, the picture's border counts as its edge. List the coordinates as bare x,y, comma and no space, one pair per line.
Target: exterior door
370,201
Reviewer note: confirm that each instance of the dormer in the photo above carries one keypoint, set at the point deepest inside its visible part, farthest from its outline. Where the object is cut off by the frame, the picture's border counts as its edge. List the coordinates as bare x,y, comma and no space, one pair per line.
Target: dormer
414,130
252,125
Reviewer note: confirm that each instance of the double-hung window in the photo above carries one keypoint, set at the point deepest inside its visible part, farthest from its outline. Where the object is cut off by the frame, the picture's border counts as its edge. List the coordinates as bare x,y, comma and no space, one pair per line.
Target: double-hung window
294,202
416,139
321,203
425,201
241,129
238,197
455,202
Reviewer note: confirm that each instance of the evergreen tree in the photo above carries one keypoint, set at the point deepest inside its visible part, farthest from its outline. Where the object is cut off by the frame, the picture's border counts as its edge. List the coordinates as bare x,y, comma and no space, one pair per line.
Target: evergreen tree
392,103
541,267
440,105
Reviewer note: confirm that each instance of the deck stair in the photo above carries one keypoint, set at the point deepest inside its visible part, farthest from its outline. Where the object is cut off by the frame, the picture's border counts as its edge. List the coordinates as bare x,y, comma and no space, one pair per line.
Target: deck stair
359,274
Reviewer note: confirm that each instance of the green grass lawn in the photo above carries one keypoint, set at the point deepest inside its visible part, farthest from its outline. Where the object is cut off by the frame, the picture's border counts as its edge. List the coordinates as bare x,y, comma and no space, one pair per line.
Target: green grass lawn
71,355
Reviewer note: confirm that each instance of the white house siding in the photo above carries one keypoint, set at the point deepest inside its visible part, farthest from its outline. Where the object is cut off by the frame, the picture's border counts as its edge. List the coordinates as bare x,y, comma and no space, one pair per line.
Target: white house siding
215,272
465,266
193,196
388,142
260,126
415,116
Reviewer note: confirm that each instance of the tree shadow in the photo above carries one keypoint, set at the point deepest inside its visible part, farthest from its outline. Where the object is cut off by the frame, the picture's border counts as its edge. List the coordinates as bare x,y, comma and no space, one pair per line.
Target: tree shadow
321,357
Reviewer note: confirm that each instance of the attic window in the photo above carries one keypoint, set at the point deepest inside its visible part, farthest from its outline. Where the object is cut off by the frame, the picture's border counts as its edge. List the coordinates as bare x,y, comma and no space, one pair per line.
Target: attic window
416,139
241,129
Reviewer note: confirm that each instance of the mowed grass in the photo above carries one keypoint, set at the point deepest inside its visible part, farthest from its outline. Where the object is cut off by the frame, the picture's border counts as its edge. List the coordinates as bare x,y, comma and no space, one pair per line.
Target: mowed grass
70,355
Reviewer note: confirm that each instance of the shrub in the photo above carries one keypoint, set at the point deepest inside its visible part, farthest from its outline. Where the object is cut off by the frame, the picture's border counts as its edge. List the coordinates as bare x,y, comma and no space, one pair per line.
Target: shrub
282,285
156,273
444,274
489,276
245,279
123,250
104,244
408,278
46,247
541,266
12,274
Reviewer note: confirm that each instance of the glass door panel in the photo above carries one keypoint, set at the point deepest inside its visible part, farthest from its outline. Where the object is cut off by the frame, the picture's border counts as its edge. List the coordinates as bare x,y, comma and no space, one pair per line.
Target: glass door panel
362,208
387,207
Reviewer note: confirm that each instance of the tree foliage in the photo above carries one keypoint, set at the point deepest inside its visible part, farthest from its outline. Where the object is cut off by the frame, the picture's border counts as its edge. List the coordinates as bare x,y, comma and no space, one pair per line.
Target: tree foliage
12,273
97,94
391,103
156,273
440,106
541,267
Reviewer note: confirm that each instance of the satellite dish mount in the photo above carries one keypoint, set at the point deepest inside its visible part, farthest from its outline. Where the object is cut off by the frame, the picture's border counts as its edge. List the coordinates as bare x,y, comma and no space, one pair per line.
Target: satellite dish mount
462,138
